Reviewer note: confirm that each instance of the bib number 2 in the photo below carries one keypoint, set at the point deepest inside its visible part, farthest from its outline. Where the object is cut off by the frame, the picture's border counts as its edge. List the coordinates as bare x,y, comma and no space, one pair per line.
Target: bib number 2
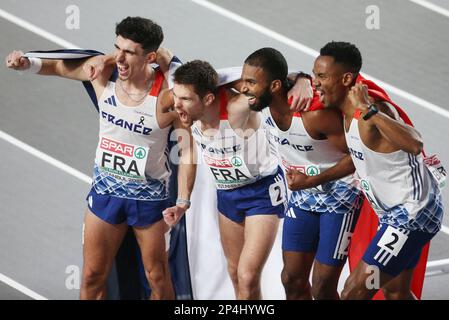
277,193
392,240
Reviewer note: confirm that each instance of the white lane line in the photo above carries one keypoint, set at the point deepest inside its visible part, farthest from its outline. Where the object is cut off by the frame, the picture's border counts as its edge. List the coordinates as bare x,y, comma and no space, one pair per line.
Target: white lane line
311,52
438,263
35,29
45,157
432,6
56,163
30,293
445,229
52,161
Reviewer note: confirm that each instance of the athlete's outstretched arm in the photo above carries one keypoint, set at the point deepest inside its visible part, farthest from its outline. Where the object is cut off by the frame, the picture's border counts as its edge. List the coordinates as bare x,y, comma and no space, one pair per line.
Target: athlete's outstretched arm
87,69
70,69
399,134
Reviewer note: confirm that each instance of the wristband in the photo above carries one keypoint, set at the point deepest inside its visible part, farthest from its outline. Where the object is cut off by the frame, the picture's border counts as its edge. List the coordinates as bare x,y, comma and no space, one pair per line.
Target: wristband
183,201
35,65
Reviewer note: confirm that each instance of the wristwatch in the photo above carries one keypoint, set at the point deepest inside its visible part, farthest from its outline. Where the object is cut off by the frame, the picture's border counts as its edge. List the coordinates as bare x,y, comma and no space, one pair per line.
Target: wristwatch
372,110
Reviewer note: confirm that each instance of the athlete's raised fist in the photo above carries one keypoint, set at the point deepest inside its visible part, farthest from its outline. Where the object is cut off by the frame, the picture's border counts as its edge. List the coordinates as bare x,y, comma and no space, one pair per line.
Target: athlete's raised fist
358,96
15,60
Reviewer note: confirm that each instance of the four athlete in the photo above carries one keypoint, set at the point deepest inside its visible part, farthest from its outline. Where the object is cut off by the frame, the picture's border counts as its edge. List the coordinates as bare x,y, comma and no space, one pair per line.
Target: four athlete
353,139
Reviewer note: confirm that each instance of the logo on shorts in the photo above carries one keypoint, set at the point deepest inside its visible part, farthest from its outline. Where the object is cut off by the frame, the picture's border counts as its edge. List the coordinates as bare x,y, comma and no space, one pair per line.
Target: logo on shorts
236,161
312,171
140,153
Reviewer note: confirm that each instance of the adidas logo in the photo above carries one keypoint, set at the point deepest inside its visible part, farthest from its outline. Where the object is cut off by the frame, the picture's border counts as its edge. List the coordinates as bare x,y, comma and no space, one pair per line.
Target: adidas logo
291,213
269,122
111,101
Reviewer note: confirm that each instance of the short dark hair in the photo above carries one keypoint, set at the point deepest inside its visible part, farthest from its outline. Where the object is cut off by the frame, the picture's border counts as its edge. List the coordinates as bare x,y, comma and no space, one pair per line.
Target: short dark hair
344,53
141,30
271,61
200,74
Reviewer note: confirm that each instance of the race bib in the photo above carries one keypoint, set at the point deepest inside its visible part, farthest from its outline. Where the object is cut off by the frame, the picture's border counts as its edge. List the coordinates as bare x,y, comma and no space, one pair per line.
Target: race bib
123,161
229,173
437,170
277,193
343,249
392,240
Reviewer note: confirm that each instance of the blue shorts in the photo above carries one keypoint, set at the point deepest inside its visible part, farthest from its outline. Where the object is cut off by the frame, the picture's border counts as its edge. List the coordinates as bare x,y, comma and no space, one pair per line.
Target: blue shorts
265,196
115,210
394,250
328,234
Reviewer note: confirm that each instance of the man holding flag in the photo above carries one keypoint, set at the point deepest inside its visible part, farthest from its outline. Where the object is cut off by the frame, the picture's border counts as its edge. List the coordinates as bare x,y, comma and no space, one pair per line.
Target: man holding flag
131,173
387,153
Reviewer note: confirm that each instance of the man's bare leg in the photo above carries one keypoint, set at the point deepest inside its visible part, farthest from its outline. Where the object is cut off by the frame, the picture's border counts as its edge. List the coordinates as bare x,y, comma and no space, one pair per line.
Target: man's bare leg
260,234
295,274
151,241
101,243
232,238
325,281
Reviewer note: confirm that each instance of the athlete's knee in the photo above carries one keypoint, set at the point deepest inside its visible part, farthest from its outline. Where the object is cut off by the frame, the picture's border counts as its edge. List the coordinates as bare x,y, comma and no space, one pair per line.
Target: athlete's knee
324,289
248,278
232,270
294,281
156,273
94,276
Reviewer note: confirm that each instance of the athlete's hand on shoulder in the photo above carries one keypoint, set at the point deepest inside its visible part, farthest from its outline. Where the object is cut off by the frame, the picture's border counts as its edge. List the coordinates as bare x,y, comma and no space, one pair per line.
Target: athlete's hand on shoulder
94,67
173,214
297,180
163,58
358,96
15,60
300,95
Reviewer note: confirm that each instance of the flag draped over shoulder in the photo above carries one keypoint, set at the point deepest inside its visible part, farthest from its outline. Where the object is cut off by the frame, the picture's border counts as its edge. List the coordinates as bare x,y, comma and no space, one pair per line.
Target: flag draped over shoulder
128,277
367,223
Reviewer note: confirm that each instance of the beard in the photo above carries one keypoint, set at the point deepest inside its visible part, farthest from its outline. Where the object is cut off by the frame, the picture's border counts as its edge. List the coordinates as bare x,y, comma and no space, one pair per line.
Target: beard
264,101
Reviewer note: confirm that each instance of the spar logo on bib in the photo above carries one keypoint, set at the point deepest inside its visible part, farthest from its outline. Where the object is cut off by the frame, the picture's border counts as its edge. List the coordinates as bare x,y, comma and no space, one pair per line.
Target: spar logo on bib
312,170
124,161
140,153
236,161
